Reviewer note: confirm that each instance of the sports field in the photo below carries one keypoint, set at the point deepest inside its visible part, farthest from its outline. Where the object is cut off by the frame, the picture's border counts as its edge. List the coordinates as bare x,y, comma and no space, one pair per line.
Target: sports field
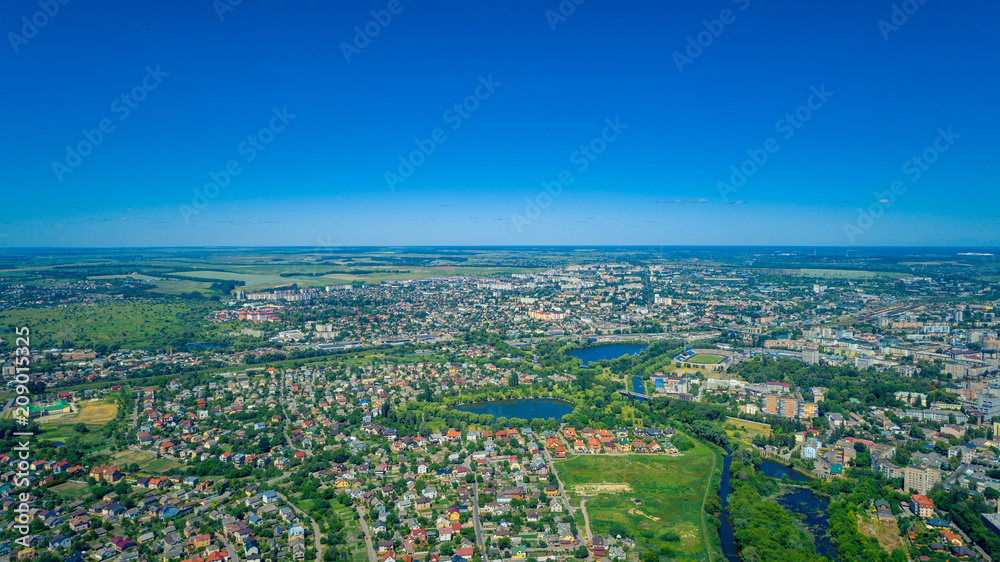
672,491
706,359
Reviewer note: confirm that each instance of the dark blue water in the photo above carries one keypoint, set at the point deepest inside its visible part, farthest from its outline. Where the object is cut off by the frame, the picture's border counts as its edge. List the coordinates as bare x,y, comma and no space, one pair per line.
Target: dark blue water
800,500
638,386
526,408
726,527
191,346
779,471
601,352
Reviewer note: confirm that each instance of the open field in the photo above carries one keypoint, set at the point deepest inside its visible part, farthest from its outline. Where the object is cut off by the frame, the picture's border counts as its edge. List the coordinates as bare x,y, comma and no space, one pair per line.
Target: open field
255,281
95,413
71,490
146,462
672,491
749,429
601,488
840,273
129,323
705,359
885,532
163,285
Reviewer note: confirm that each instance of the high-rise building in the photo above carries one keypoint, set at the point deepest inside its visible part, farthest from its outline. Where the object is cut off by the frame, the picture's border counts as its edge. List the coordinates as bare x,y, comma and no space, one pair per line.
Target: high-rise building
807,410
810,356
788,407
920,478
770,404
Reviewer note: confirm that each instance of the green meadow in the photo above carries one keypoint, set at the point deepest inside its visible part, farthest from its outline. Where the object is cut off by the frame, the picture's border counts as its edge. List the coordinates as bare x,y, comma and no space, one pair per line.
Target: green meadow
672,491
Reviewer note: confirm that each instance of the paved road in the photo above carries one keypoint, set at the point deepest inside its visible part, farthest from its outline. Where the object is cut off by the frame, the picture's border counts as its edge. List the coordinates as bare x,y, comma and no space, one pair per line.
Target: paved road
475,512
6,407
233,556
315,526
962,468
368,538
277,478
153,453
284,428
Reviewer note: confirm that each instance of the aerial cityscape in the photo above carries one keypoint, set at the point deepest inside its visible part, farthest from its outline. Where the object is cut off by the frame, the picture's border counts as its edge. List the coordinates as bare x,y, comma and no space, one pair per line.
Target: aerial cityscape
557,281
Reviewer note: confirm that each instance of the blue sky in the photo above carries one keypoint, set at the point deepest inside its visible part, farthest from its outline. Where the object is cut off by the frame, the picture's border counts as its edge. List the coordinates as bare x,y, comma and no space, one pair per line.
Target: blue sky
329,130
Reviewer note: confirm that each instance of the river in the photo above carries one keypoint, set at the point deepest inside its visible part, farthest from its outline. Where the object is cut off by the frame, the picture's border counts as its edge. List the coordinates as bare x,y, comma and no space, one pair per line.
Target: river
726,527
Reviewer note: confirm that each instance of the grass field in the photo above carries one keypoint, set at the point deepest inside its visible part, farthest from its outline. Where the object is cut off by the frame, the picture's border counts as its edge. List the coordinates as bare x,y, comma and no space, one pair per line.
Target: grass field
129,323
706,359
146,462
749,429
71,490
672,491
164,285
255,281
840,273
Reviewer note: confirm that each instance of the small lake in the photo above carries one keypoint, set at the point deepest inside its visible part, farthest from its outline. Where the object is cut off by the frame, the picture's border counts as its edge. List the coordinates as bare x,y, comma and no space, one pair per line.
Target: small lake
602,352
525,408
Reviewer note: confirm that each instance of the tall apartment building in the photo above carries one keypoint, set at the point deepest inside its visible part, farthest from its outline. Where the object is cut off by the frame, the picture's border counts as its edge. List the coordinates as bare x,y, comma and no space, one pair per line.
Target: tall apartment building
810,356
788,407
770,404
807,410
920,478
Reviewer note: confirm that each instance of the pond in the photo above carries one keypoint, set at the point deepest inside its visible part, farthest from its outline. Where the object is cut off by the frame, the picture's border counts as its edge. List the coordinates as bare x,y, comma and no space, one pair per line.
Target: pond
601,352
814,517
524,408
812,509
779,471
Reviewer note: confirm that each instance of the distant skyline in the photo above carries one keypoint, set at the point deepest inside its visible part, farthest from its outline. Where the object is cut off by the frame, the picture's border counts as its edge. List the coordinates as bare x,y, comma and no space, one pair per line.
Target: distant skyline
412,123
